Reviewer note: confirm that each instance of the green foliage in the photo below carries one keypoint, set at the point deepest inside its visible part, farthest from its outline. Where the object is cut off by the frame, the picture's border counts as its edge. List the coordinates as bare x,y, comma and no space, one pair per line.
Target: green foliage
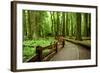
39,42
29,51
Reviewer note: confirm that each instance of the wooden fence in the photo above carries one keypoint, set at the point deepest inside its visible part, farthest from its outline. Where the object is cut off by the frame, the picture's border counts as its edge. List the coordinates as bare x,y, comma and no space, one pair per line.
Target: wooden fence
52,50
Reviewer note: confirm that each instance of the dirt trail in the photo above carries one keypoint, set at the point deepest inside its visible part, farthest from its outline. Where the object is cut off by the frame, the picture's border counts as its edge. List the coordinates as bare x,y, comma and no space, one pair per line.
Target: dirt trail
72,52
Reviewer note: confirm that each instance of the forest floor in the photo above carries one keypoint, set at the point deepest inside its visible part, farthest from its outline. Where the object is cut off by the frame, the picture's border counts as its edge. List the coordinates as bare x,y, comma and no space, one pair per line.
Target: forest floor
72,51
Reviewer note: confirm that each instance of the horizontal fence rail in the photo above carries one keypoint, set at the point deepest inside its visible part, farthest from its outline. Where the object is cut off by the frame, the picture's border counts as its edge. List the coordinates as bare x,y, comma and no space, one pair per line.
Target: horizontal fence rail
52,48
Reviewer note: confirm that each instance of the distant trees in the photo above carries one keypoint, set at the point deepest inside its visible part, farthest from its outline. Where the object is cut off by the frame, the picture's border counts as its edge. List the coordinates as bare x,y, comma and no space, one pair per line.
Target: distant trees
52,23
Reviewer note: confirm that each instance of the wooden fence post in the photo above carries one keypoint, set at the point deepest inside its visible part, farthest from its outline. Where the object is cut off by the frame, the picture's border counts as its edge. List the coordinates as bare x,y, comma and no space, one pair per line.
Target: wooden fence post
56,47
39,53
63,43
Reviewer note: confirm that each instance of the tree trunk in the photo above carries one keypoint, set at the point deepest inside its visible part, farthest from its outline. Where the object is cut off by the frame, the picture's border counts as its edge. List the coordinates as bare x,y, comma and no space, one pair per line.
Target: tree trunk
67,31
89,25
29,26
57,24
78,27
85,24
52,21
63,17
24,25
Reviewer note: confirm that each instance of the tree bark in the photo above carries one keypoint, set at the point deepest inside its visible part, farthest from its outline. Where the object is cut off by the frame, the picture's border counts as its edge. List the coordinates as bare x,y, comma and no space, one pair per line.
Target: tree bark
78,27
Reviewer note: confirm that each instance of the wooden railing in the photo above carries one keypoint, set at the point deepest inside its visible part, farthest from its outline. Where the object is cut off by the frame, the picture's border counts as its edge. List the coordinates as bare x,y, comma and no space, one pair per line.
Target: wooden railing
53,49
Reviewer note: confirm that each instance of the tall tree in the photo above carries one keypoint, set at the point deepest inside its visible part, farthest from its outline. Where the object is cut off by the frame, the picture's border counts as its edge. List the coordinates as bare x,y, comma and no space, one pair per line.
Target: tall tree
57,24
78,27
85,24
52,21
29,34
63,17
74,23
67,30
24,25
89,24
71,23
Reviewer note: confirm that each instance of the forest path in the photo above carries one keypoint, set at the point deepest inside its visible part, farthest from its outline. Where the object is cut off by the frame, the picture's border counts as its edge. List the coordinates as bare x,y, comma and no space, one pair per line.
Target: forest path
72,52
